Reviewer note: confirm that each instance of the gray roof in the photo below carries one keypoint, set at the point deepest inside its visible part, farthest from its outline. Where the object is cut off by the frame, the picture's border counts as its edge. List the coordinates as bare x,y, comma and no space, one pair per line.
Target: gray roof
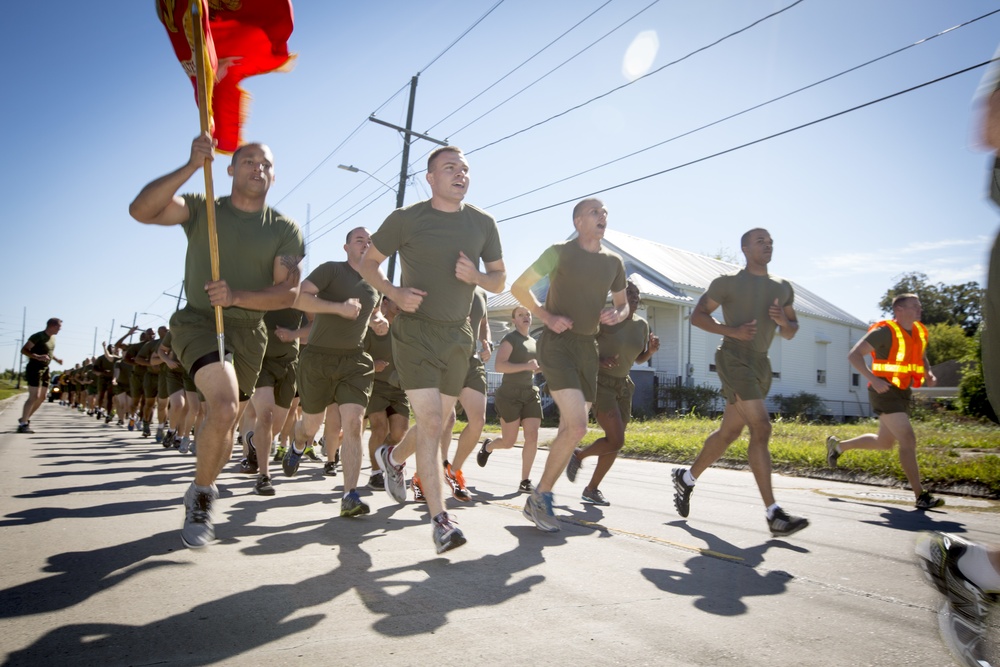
667,274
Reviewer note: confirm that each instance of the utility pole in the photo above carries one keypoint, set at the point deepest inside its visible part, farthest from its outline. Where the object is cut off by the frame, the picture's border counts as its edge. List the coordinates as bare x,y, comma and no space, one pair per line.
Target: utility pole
94,353
20,361
408,135
178,295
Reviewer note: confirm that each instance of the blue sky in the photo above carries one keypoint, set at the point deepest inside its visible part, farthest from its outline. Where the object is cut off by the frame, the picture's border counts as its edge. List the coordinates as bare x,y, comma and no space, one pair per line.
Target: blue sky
97,106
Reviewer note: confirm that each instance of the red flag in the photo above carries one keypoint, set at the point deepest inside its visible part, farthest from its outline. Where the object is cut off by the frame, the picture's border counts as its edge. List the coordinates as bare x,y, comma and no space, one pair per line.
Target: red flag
242,38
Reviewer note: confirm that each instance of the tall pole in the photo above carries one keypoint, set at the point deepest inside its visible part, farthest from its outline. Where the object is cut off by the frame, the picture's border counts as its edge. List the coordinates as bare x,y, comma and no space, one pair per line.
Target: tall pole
111,333
20,362
407,140
94,353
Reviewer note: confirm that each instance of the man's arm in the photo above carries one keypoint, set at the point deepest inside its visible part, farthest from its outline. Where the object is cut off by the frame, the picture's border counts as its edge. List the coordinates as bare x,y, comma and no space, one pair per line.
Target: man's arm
521,289
701,317
407,298
785,318
26,351
158,203
278,296
308,301
991,123
493,280
618,311
485,340
856,357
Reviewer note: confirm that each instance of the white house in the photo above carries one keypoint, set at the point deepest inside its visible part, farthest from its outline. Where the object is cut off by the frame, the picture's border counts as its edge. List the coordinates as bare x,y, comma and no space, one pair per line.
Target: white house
671,281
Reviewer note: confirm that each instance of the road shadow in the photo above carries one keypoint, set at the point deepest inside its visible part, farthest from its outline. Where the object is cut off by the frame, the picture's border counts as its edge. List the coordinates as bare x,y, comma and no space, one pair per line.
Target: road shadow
723,575
908,518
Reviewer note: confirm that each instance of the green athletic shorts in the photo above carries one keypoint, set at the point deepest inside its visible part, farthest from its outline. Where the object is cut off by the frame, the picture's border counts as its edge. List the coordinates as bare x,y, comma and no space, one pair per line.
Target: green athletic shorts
745,376
174,380
475,377
162,390
431,355
328,376
515,402
614,393
135,385
194,337
893,401
280,373
389,399
150,385
569,361
37,374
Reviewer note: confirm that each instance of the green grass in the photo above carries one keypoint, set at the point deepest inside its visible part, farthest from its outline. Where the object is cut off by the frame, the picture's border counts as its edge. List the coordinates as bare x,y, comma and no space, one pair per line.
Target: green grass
950,453
7,389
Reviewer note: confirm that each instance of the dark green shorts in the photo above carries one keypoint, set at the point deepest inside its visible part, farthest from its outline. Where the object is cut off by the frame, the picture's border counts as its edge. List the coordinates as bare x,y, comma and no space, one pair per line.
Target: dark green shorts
103,384
569,361
615,393
135,385
37,374
162,390
744,376
475,377
329,376
121,388
893,401
280,373
194,337
388,398
515,402
431,355
150,385
174,379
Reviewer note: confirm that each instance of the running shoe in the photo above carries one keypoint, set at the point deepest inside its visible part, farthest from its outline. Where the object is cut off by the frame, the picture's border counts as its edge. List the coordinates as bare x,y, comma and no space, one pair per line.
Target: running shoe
246,467
457,482
395,476
251,450
162,439
926,501
159,433
525,486
146,430
538,508
185,444
595,497
573,466
290,462
377,481
198,529
446,535
831,451
263,486
351,505
962,618
418,490
131,424
484,455
310,454
682,492
24,428
783,524
330,469
121,422
279,454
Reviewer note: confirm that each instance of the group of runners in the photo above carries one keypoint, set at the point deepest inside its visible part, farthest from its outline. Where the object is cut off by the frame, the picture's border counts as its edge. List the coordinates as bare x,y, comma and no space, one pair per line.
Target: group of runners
389,353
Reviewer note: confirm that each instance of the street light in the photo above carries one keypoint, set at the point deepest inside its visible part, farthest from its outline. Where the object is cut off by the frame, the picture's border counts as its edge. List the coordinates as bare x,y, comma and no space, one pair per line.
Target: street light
351,168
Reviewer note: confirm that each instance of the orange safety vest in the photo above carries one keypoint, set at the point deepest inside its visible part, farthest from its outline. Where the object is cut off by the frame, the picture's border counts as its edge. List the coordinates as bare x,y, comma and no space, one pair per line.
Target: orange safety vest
904,366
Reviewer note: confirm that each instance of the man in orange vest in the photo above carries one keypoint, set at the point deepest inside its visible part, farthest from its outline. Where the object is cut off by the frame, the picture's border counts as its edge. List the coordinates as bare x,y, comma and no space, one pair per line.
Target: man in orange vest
899,363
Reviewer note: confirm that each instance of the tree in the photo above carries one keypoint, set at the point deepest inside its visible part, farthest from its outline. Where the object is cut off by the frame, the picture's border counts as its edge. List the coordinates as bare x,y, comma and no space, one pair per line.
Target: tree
972,387
946,342
942,304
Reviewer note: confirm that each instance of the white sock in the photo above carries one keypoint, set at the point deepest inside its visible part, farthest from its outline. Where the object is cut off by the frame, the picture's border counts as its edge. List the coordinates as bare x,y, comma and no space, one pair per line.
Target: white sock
689,479
771,510
975,564
392,459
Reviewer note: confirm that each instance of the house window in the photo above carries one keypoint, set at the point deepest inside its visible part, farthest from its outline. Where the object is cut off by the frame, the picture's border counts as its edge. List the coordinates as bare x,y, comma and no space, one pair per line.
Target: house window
776,375
822,342
855,379
711,368
820,376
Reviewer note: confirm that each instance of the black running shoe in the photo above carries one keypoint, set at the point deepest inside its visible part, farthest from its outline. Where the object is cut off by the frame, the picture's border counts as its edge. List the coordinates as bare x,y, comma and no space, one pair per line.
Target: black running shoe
783,525
682,492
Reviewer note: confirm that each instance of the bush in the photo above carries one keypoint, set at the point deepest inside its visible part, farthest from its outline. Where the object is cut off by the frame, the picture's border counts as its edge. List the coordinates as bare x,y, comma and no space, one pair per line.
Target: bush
701,400
972,388
801,405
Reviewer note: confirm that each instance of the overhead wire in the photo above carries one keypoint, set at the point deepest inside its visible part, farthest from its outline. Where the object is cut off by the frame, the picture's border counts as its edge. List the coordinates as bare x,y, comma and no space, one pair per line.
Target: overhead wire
522,64
459,38
624,85
751,143
749,109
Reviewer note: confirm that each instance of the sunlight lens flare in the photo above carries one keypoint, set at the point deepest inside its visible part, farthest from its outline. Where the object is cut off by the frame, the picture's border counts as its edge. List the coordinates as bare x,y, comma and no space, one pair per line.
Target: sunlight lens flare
640,54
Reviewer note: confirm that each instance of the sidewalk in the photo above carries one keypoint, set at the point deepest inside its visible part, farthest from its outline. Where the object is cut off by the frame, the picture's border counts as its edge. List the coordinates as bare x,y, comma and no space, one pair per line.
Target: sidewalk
95,573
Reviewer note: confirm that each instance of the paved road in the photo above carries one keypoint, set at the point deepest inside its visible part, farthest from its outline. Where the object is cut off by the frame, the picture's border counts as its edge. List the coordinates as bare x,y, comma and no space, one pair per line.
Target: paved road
94,572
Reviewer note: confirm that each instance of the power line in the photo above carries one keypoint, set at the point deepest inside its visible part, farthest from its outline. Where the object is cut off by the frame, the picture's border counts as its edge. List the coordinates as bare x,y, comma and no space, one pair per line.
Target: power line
624,85
523,63
747,110
751,143
459,38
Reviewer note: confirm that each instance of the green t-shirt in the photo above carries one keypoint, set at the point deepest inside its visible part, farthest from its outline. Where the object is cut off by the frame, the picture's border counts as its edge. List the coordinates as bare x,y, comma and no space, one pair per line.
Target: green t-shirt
745,297
41,343
288,318
104,366
146,354
338,281
579,282
380,348
248,246
428,242
522,351
627,339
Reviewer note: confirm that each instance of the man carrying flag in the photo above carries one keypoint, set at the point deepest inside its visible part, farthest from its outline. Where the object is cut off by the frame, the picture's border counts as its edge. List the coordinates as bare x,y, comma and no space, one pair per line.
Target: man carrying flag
259,255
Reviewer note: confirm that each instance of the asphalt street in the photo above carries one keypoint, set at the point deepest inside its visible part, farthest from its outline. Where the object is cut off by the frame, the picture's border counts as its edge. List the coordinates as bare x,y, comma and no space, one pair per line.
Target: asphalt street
95,573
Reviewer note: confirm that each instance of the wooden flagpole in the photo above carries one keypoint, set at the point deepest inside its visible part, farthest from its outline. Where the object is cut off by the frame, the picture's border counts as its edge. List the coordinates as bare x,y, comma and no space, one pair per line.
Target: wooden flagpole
204,111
